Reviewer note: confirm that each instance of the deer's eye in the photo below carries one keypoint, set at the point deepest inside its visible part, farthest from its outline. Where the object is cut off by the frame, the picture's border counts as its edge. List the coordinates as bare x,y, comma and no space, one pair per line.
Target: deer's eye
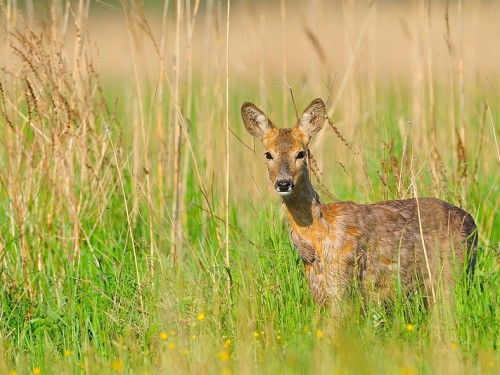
300,155
268,156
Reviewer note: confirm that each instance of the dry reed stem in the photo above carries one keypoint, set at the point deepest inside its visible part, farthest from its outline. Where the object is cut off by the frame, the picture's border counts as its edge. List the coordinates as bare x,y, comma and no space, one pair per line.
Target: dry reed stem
160,104
176,233
143,137
479,145
320,51
129,227
350,66
53,151
191,16
177,113
494,133
227,202
284,60
435,165
460,128
403,154
160,119
354,55
357,153
427,263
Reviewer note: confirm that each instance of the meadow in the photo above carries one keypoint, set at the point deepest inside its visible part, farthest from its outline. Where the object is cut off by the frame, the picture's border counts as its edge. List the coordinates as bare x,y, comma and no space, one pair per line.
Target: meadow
138,231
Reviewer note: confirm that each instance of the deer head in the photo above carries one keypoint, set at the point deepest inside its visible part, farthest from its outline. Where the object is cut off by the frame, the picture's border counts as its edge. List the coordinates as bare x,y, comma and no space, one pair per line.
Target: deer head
286,149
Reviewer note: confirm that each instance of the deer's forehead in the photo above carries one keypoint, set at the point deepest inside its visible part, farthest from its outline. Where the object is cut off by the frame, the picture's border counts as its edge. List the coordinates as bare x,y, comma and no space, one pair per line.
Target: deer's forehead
283,140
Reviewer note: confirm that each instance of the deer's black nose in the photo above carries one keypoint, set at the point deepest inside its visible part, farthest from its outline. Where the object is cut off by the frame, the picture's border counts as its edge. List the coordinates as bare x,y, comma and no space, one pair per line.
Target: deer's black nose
283,186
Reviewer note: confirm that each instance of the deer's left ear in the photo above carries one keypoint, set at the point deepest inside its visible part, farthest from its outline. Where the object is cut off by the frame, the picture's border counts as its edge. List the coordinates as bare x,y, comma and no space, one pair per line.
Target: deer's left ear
313,118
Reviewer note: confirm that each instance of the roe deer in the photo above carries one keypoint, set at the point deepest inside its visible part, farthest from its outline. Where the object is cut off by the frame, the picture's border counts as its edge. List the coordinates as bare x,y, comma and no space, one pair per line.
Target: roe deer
413,244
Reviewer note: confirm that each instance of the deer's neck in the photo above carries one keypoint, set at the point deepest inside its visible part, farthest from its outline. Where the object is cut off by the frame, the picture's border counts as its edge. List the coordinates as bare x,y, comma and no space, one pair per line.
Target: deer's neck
302,205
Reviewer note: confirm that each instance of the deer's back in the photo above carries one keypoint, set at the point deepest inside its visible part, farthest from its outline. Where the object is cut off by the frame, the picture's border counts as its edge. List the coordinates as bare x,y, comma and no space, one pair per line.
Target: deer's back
415,224
409,220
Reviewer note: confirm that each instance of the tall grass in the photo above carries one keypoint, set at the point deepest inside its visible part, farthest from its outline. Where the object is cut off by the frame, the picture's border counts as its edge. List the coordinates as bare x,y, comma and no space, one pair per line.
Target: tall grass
120,248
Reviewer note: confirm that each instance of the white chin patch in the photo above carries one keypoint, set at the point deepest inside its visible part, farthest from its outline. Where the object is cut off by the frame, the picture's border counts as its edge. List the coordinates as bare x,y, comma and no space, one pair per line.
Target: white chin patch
284,193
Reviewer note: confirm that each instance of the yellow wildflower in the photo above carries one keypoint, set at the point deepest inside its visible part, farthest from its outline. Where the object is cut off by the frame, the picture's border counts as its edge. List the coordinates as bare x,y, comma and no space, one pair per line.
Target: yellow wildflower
227,343
201,317
319,334
163,336
407,370
36,371
224,356
117,365
410,327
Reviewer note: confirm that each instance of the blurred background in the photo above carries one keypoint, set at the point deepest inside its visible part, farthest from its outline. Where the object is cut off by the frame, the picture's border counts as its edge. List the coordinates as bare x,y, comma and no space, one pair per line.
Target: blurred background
299,39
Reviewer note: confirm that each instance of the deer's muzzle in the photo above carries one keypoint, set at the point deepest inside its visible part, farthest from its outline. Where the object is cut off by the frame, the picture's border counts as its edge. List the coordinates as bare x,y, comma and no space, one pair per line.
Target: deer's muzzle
284,187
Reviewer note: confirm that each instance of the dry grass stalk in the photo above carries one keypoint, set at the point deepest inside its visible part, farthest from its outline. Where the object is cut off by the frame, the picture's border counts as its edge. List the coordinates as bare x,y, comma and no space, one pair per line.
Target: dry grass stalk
160,120
461,151
140,162
435,165
228,153
55,152
284,60
176,233
354,55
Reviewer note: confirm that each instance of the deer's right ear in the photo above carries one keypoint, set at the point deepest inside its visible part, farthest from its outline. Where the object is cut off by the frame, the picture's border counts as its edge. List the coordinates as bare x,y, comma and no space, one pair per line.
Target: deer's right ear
256,121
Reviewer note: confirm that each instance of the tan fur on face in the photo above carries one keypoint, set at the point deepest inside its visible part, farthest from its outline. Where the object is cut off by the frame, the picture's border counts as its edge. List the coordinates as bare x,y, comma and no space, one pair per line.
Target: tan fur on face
284,145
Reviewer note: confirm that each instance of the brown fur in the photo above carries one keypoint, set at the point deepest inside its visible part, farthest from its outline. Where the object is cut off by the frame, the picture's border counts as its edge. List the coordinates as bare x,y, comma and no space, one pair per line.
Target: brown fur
418,244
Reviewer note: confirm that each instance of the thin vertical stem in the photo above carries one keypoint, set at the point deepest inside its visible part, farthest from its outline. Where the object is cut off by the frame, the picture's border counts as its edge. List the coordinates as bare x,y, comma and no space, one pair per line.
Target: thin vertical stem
176,227
144,146
159,112
430,80
227,137
461,73
461,145
129,225
284,60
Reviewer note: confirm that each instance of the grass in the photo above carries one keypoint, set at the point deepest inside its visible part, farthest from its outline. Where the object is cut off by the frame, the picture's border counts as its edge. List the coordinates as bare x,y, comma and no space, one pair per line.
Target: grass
88,280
